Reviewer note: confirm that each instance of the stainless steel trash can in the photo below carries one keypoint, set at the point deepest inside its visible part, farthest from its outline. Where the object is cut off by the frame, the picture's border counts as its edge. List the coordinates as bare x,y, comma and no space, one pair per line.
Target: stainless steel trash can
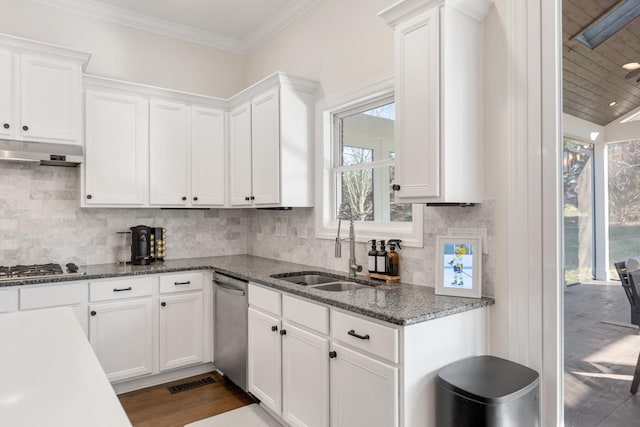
487,391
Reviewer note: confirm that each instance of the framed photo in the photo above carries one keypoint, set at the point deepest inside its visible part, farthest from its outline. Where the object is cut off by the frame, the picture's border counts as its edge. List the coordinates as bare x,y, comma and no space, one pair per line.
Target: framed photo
459,266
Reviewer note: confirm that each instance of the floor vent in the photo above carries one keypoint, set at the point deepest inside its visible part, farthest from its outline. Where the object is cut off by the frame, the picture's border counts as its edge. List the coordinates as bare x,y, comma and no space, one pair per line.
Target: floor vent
190,385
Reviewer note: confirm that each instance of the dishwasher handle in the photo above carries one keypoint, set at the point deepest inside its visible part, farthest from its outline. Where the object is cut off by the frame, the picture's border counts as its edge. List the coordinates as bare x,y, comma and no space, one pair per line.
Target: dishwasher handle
225,288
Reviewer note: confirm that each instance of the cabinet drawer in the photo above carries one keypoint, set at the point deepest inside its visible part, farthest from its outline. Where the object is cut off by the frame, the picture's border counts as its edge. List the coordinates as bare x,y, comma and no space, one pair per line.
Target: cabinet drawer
120,289
265,299
306,313
180,282
377,339
52,296
8,300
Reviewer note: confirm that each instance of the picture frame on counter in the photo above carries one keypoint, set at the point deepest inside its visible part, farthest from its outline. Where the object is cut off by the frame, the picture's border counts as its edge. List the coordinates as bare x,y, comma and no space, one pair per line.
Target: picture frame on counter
459,266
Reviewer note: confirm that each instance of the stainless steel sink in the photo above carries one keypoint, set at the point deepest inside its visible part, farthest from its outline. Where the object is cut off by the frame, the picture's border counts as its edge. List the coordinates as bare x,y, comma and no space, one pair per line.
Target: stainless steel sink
308,279
320,281
340,286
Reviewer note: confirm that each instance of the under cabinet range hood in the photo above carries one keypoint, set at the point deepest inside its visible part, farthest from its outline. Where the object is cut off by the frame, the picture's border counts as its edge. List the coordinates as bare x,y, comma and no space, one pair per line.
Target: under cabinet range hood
43,153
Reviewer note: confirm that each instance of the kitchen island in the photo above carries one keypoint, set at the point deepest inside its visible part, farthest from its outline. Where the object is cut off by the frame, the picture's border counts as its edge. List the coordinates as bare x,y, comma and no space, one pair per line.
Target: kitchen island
49,375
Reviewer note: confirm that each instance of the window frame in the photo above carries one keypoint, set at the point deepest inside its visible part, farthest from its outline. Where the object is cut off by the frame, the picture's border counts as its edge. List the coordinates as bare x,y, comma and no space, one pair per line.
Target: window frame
411,233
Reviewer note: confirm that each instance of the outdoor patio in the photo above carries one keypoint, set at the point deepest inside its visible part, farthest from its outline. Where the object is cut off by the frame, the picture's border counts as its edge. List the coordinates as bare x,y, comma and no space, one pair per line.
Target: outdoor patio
600,349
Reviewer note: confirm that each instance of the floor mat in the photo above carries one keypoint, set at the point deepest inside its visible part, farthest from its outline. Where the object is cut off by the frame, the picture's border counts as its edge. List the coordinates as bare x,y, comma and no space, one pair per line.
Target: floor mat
247,416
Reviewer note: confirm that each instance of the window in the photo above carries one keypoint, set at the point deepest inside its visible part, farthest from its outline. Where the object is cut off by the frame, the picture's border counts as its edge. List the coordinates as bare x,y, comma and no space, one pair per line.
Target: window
358,168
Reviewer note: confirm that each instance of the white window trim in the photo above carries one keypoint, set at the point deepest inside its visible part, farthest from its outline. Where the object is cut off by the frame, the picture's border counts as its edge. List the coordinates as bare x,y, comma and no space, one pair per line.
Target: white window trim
326,227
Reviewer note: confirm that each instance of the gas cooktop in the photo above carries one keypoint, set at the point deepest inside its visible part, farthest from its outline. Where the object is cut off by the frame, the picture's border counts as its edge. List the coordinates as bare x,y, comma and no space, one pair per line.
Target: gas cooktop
35,271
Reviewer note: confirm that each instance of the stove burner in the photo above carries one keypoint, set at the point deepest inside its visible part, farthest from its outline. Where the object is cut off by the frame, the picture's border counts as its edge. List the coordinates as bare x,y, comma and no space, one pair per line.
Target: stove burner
35,270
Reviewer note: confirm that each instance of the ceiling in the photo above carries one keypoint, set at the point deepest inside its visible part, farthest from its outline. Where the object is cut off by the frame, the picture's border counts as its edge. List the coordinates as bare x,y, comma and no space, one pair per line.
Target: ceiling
592,79
234,25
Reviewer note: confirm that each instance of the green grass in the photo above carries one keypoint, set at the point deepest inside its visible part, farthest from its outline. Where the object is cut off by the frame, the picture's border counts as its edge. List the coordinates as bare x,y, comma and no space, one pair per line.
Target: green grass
624,241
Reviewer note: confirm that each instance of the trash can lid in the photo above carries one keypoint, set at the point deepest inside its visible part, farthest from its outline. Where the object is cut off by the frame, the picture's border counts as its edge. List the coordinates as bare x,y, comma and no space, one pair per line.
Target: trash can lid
488,379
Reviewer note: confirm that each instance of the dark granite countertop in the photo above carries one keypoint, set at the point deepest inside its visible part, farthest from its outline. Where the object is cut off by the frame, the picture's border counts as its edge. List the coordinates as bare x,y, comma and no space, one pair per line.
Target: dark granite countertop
398,303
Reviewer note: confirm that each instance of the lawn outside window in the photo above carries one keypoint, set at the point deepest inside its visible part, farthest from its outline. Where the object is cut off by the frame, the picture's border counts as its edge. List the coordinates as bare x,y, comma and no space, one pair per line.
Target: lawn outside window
356,165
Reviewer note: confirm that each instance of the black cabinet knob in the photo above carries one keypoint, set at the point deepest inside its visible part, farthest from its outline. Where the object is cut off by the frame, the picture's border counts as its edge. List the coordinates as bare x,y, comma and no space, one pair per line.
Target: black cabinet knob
274,328
253,198
6,126
25,127
184,198
395,187
164,304
93,313
333,355
89,196
283,332
247,198
195,199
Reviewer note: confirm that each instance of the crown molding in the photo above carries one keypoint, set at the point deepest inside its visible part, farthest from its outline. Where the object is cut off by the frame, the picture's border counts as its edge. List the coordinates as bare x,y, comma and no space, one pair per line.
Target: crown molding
144,22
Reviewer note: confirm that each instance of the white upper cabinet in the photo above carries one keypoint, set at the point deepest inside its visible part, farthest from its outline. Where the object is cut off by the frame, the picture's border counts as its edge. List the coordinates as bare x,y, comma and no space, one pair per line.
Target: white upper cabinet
438,95
169,154
41,91
116,135
207,157
271,143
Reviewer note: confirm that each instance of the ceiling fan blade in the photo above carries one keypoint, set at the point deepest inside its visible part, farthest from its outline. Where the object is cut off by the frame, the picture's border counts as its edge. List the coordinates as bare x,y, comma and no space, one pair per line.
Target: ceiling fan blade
632,74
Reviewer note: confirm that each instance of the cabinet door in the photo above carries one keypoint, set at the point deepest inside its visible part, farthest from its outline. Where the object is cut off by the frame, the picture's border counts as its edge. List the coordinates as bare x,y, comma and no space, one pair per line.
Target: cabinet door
265,148
240,155
181,330
207,157
8,300
264,359
418,106
50,97
364,391
168,153
7,122
121,336
305,377
116,149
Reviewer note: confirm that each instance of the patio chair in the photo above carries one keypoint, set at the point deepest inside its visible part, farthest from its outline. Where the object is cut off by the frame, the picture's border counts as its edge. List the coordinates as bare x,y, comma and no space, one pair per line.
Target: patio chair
629,286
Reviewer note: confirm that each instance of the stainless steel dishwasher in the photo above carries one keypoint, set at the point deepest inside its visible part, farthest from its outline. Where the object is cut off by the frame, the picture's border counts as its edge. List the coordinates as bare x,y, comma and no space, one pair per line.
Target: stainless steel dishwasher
230,332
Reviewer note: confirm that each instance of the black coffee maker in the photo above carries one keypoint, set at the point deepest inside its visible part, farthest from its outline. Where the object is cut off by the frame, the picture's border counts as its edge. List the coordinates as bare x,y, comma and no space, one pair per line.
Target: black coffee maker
141,245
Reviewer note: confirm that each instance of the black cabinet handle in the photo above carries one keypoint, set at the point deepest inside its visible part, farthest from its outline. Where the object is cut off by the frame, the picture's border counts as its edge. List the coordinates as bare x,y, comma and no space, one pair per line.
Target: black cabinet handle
195,199
395,187
6,126
164,304
333,355
184,198
89,196
283,332
253,198
362,337
188,282
122,289
274,328
25,127
93,313
247,198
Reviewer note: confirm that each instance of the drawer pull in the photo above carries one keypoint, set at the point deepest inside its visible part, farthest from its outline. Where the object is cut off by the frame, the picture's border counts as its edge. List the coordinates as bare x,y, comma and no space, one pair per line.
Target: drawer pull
122,289
188,282
362,337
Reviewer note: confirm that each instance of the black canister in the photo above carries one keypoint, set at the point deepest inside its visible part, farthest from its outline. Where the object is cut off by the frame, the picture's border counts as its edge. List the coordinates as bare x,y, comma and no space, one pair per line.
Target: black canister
141,245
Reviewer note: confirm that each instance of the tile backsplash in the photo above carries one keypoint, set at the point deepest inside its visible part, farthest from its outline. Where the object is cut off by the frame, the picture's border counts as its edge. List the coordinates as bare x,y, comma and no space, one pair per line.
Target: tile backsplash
289,235
41,221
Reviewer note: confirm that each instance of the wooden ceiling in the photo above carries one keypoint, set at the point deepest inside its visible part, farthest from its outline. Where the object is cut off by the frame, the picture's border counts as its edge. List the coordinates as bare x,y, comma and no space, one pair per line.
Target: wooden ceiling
592,79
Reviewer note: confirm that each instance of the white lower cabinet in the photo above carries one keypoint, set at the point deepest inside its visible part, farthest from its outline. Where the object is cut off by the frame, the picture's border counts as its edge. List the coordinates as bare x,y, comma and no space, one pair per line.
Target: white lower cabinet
181,330
8,300
264,359
73,295
364,391
121,335
305,377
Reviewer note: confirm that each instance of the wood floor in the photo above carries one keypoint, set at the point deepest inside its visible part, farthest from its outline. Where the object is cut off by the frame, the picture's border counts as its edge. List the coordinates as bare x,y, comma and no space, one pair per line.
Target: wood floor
599,358
157,407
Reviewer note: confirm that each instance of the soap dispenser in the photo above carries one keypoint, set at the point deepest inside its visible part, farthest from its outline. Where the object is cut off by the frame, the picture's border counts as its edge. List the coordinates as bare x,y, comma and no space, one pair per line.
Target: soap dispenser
381,259
371,257
393,259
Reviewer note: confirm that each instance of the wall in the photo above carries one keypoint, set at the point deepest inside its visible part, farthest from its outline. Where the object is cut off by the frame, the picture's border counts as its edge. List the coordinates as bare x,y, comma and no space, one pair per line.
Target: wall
40,221
126,53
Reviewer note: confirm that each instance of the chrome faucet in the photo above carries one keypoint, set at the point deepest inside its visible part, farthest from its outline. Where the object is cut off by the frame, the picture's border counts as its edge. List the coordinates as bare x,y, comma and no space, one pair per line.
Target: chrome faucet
345,209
